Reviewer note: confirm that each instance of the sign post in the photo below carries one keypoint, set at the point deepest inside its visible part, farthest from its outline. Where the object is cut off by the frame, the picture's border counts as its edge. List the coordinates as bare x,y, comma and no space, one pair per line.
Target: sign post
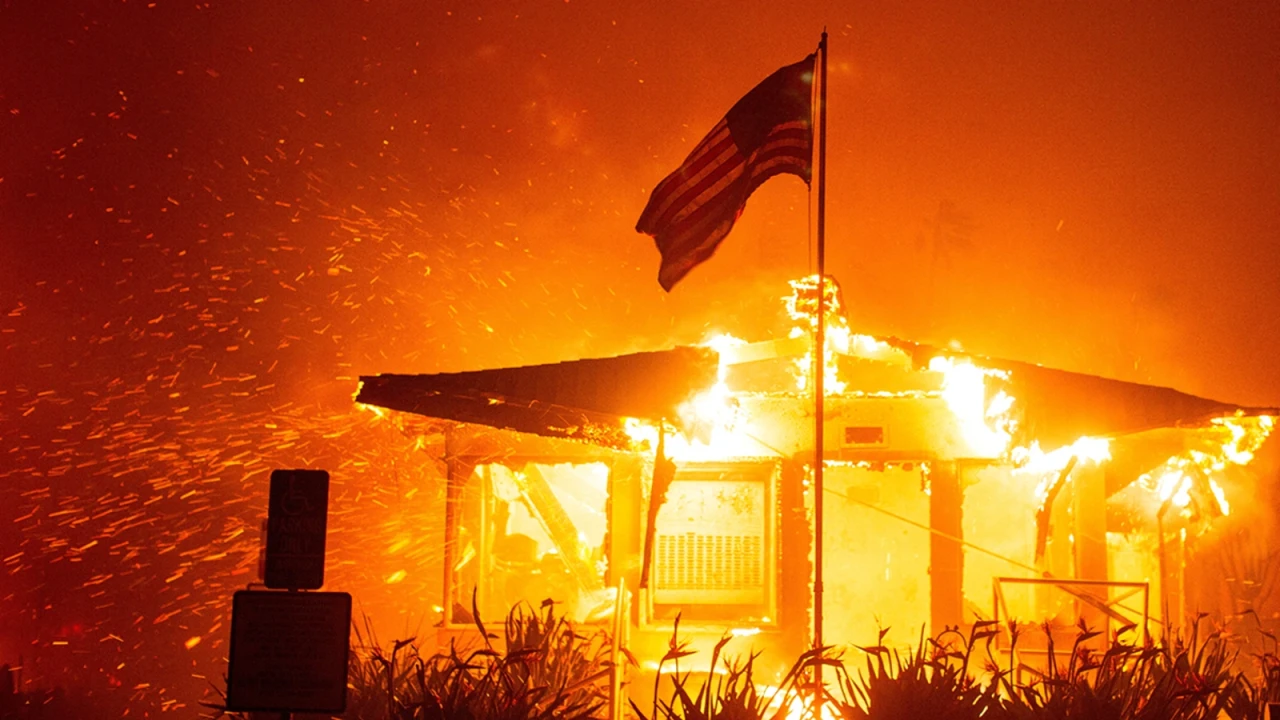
289,650
297,514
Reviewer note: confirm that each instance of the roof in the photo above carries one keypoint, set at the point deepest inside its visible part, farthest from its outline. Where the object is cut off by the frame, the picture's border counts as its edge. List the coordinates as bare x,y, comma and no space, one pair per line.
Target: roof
585,399
1059,406
576,399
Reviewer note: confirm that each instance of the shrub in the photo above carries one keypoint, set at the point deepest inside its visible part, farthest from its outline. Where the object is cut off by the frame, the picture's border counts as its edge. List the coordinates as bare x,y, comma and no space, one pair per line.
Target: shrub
542,669
731,694
1189,679
931,681
539,668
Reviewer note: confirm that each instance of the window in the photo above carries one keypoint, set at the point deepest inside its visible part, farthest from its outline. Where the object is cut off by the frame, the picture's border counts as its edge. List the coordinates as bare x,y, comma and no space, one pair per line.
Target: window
532,532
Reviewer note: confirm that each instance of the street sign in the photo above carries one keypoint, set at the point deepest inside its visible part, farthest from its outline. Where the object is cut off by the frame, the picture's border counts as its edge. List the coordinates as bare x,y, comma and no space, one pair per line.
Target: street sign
289,651
297,512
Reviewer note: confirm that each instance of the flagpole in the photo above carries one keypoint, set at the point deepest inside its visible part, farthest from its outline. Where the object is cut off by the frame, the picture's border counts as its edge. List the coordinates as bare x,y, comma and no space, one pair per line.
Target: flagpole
820,368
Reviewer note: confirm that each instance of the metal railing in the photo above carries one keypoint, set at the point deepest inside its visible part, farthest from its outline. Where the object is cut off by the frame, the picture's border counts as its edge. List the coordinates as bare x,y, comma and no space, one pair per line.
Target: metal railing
1110,607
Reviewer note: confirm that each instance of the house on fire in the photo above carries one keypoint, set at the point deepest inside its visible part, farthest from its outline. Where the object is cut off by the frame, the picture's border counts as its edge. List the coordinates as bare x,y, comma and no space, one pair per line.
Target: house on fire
639,488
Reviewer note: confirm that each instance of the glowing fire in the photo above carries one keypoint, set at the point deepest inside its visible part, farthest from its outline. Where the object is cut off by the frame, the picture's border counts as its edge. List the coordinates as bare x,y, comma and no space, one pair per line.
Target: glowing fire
1087,449
709,421
378,411
1174,482
802,308
986,426
1244,441
1174,486
1048,465
796,704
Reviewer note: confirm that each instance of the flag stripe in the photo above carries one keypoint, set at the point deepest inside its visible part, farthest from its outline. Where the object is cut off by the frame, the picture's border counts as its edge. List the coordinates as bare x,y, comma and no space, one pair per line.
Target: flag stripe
785,154
697,189
704,199
693,244
688,243
712,184
704,176
766,133
685,234
711,147
695,167
723,203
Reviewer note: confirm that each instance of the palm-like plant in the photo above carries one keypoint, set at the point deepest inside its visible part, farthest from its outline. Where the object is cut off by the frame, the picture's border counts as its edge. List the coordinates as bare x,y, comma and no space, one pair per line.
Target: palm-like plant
932,681
729,692
540,668
1189,679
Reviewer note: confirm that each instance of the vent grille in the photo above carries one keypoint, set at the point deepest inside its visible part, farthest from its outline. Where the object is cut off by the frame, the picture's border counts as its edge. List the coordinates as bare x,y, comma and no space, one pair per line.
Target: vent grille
863,435
710,562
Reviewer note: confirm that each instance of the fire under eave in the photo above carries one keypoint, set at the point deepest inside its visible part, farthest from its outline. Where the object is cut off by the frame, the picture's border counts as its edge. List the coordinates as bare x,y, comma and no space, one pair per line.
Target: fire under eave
587,400
1059,406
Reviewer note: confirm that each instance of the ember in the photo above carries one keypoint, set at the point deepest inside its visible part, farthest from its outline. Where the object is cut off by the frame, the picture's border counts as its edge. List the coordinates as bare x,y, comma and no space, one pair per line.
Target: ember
220,216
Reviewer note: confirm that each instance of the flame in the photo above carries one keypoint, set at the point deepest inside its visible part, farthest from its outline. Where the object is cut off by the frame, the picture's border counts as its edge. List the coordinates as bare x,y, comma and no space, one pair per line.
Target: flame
1220,495
1085,449
986,426
794,705
1244,442
709,421
802,308
721,342
1174,486
712,409
1240,437
709,431
380,412
1048,465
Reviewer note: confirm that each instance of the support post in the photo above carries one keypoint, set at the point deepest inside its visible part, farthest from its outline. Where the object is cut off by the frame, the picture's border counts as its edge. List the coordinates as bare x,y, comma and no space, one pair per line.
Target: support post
452,497
1089,500
946,556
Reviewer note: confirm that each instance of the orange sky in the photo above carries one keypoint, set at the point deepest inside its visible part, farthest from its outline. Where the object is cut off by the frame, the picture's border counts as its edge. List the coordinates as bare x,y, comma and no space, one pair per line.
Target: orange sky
220,209
1117,162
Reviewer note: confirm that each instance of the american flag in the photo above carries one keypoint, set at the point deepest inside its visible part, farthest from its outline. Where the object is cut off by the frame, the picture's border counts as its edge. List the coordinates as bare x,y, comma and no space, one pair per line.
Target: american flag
768,132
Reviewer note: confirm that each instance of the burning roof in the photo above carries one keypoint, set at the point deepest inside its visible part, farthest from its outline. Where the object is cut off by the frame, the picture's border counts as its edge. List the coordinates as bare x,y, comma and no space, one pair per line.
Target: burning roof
737,399
586,399
576,399
1058,406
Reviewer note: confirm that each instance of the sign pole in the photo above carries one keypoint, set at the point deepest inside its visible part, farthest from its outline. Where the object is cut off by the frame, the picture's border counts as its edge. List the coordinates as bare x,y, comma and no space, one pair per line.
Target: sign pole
289,651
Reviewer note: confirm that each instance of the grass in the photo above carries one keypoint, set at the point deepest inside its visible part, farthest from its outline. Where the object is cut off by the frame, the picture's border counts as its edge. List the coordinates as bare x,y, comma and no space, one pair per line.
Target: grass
959,676
1189,678
728,690
931,681
538,666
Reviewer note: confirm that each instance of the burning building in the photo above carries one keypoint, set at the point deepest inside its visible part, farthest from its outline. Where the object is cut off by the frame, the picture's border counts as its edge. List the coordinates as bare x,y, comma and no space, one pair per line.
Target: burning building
678,484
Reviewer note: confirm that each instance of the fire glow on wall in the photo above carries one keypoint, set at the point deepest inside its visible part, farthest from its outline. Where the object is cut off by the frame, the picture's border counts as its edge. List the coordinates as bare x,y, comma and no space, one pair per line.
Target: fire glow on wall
944,471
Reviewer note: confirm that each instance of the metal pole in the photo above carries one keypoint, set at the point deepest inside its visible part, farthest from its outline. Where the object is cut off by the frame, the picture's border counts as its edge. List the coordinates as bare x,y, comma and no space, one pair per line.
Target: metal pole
1164,595
820,368
451,497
